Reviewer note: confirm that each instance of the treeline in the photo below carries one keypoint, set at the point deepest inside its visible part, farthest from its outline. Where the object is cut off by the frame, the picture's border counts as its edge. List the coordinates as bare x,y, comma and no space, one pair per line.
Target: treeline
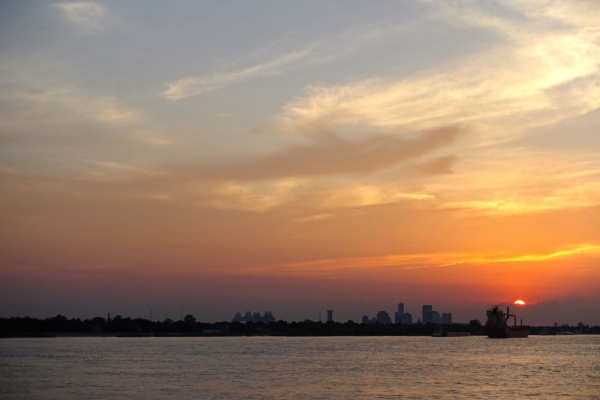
60,325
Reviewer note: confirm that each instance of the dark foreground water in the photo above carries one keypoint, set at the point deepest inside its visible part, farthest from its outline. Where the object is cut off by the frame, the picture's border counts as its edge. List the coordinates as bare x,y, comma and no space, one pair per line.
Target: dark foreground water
300,368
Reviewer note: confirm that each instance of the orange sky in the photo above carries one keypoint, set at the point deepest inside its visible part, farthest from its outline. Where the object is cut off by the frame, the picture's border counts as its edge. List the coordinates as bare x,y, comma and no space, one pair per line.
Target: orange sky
425,153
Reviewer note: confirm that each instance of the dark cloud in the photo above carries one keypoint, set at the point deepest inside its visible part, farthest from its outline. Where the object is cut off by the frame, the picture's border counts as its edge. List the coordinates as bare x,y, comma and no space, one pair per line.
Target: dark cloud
433,166
328,156
333,155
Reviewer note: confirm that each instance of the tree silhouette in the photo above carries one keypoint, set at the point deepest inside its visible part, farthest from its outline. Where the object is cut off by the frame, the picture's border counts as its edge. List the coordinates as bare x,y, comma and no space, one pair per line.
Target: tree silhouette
189,319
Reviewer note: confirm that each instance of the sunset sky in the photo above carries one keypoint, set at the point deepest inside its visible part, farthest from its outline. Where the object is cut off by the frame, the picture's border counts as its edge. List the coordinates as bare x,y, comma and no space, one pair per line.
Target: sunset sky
296,157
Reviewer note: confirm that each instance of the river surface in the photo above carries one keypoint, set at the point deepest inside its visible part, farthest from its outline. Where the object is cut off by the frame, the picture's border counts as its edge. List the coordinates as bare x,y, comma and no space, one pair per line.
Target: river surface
543,367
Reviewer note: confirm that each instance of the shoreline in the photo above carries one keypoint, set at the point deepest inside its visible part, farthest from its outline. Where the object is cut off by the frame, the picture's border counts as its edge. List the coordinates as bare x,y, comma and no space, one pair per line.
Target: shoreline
59,335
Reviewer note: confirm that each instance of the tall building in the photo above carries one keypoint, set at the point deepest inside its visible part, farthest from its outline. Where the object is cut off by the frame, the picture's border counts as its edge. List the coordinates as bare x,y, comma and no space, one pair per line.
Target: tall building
427,309
435,317
446,318
398,318
399,314
329,315
365,319
401,308
407,319
383,318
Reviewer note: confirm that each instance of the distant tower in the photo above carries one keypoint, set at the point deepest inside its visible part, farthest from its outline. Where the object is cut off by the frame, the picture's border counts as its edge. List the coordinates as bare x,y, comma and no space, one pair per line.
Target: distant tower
398,316
427,309
319,316
446,318
329,315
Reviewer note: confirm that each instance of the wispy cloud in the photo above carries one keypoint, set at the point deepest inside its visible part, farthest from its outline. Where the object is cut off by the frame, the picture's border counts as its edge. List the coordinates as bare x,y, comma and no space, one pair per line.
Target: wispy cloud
84,15
67,99
399,262
121,167
45,107
197,85
321,51
537,75
257,198
520,181
584,249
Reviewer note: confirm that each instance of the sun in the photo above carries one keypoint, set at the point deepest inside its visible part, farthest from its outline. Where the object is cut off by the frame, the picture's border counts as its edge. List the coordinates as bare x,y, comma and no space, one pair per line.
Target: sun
520,302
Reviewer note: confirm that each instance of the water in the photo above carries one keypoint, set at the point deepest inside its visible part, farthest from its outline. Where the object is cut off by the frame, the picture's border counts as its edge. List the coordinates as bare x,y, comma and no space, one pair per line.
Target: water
300,368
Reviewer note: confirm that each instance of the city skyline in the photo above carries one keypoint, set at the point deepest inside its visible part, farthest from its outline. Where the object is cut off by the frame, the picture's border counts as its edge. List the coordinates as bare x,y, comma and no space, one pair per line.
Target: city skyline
298,157
428,316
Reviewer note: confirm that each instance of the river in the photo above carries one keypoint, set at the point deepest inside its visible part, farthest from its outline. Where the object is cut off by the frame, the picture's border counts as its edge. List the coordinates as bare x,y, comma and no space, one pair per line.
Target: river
300,368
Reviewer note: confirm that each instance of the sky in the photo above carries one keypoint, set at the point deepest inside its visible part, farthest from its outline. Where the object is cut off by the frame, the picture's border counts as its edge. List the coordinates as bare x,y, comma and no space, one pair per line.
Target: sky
212,157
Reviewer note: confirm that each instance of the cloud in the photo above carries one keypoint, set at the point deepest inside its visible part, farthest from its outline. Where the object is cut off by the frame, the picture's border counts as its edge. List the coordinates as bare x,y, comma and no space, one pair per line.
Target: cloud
351,195
409,261
505,89
294,175
120,166
331,266
521,180
231,195
434,166
332,155
61,101
586,249
320,51
41,110
198,85
319,174
84,15
313,218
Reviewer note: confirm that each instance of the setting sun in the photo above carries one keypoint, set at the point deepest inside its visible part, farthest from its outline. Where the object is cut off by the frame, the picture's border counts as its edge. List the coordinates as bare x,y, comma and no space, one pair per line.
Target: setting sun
520,302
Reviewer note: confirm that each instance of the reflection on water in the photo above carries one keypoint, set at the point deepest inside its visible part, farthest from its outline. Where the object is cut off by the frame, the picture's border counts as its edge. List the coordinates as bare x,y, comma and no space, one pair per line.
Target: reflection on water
300,368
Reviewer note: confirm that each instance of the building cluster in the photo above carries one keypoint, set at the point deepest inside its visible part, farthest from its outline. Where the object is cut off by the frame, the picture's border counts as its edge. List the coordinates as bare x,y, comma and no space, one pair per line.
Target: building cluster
401,317
434,317
256,317
382,317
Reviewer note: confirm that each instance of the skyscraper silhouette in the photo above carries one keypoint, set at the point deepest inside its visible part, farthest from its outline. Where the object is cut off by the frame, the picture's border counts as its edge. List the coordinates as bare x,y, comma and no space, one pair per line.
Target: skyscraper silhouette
427,309
398,316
